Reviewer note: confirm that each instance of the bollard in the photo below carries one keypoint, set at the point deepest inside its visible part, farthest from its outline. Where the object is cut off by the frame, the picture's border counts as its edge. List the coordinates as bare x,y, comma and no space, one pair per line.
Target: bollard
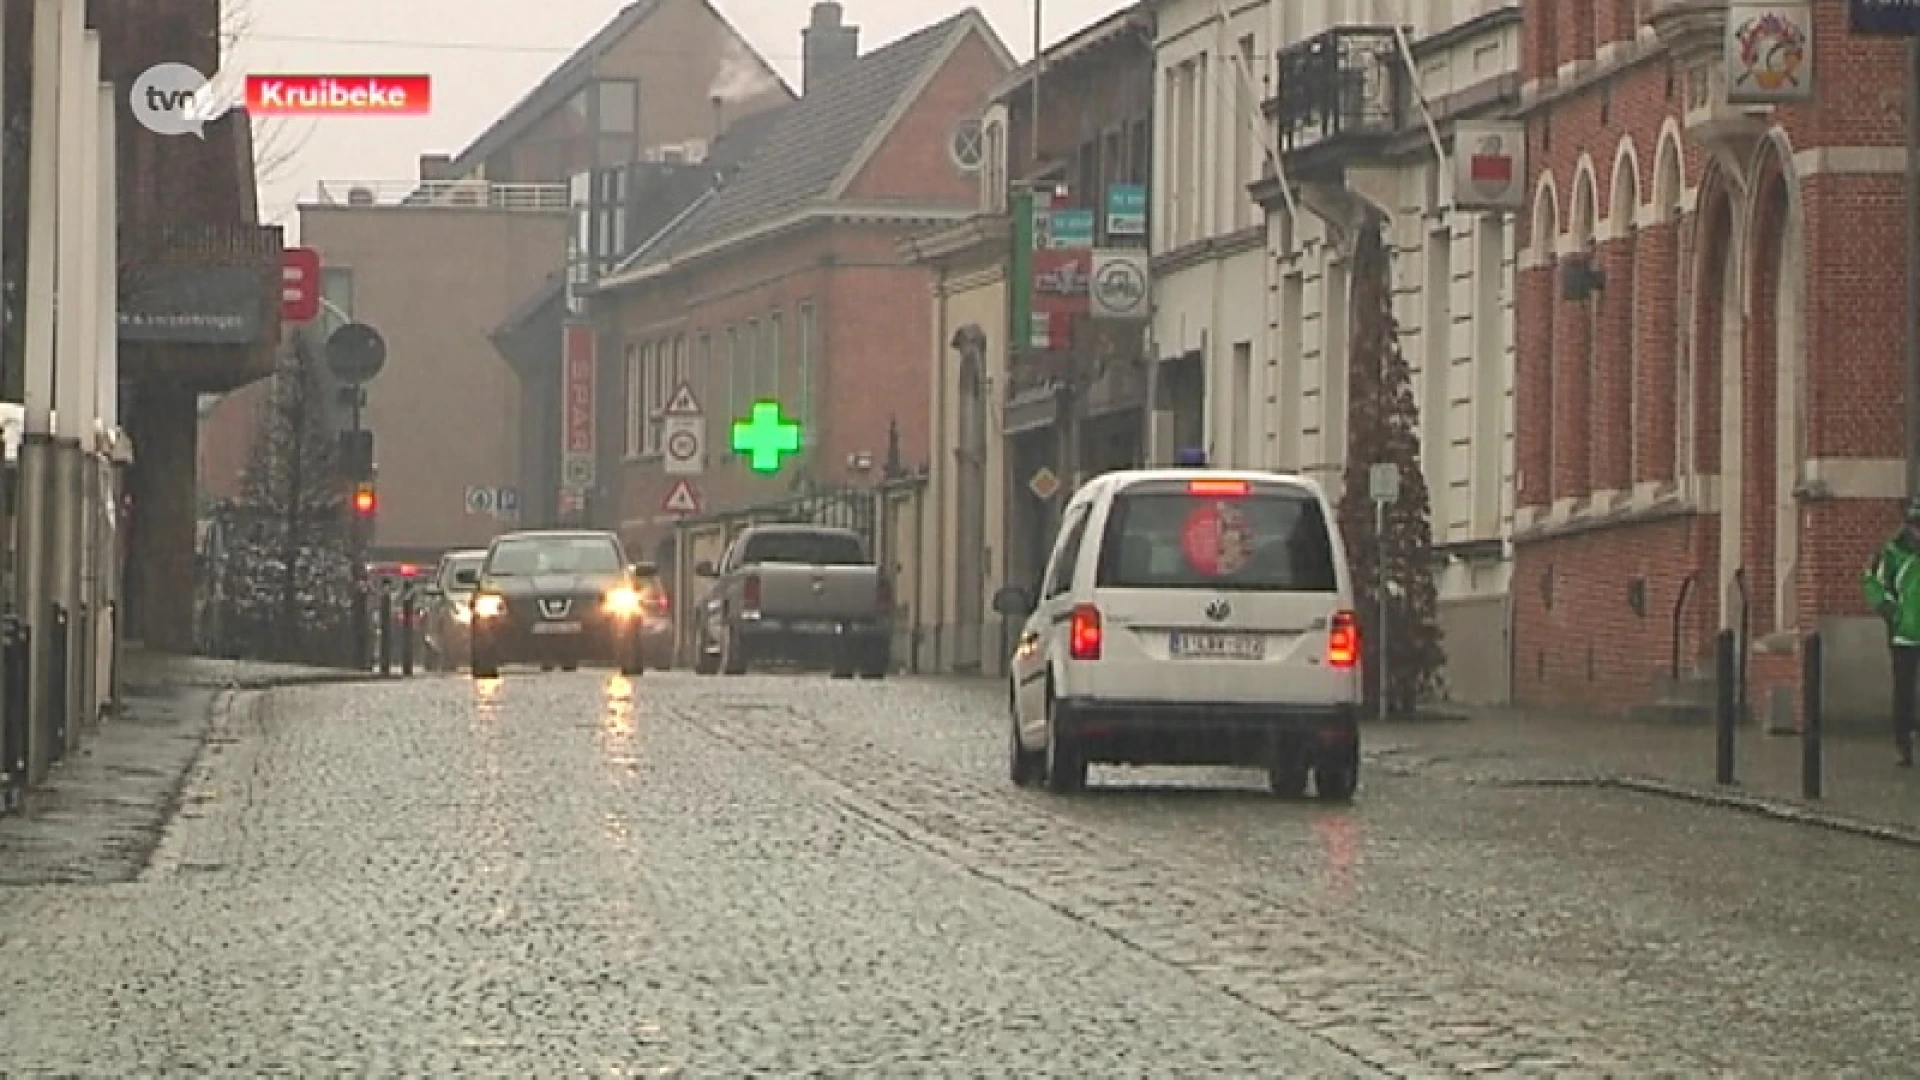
1726,705
406,632
16,661
55,725
357,616
1812,715
386,632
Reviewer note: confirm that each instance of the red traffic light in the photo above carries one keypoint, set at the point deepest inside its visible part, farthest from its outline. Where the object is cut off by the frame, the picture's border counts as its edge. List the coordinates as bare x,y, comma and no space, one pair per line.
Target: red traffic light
364,502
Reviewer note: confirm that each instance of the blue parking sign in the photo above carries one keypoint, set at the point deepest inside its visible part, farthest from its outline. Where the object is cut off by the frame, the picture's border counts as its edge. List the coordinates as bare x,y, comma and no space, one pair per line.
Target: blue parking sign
1893,18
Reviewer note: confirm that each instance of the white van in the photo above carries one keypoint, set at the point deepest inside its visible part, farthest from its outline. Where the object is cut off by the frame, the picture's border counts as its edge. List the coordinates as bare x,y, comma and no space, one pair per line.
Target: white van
1190,617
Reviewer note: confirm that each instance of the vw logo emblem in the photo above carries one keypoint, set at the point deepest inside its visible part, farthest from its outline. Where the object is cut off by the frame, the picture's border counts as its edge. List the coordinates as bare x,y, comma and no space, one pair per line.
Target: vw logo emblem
1219,610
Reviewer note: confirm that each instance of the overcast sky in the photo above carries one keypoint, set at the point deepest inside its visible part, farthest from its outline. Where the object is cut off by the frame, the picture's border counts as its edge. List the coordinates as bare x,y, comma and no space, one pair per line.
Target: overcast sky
483,55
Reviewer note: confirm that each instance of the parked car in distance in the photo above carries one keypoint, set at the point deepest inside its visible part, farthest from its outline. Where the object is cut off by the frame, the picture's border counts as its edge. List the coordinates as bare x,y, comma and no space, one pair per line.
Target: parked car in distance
1190,617
806,595
447,609
558,598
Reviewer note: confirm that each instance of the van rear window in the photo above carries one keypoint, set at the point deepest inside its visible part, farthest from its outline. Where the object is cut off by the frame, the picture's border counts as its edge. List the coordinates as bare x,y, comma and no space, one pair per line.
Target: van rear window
1260,540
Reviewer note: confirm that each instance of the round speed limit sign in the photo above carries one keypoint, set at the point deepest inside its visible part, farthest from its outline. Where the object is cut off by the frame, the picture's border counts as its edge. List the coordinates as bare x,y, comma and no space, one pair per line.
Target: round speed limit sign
683,446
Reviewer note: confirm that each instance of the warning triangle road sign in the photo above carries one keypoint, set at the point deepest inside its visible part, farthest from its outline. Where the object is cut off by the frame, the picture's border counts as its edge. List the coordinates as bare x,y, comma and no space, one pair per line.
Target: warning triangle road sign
682,498
683,403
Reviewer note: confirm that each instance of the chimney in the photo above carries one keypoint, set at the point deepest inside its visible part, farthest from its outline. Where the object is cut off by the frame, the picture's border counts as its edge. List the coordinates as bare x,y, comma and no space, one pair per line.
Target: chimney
827,45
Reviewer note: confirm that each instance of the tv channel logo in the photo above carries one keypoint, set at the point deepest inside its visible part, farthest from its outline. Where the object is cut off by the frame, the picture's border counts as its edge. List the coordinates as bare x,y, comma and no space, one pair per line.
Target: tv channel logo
174,99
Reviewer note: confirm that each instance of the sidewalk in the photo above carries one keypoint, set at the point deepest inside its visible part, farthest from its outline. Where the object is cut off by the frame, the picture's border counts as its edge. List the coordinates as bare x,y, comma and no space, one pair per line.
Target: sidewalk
1864,791
100,813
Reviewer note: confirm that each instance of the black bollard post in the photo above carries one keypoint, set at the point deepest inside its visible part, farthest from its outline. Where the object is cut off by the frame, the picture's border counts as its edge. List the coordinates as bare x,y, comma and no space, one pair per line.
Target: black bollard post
406,631
1726,705
56,699
386,631
1812,715
357,627
15,669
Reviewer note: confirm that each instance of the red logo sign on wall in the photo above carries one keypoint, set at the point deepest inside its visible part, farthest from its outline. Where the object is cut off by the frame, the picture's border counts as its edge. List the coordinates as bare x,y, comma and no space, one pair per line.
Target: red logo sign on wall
578,390
299,285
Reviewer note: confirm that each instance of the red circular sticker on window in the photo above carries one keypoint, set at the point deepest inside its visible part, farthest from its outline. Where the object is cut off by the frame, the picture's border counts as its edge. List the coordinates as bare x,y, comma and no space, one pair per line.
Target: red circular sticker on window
1216,540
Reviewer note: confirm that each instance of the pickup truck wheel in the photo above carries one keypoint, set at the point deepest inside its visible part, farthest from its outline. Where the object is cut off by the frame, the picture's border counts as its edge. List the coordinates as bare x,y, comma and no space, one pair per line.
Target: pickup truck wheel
733,655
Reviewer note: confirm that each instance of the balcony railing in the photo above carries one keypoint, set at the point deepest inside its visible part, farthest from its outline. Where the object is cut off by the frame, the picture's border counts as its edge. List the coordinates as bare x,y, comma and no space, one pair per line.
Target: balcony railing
1346,83
453,194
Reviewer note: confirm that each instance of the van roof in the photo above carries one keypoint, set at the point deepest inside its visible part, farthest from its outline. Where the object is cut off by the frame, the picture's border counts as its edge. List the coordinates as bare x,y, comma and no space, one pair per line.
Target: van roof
1124,478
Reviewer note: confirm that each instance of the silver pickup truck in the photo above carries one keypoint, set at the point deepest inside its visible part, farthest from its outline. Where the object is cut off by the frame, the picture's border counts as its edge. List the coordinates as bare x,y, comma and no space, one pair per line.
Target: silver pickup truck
803,595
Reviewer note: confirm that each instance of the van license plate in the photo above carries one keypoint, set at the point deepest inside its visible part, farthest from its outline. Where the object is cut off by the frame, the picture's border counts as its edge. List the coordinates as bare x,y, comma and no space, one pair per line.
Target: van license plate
1219,646
556,628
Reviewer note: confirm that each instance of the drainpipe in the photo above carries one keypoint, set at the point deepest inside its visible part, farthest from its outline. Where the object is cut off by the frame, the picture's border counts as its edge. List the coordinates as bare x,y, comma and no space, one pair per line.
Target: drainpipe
941,449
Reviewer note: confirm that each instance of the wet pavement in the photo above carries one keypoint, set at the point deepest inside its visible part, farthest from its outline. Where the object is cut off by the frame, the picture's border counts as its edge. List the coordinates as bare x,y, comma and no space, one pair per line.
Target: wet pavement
562,873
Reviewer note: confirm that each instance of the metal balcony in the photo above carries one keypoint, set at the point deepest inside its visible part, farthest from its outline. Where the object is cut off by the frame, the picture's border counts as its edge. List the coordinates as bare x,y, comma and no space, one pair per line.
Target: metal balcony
1341,96
447,194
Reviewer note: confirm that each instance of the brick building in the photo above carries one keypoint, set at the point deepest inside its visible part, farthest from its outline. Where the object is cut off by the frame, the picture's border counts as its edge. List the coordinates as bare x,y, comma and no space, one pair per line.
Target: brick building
1709,428
786,282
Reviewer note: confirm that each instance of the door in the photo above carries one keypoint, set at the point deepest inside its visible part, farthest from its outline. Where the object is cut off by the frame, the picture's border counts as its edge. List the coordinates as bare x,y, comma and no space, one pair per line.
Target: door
1046,627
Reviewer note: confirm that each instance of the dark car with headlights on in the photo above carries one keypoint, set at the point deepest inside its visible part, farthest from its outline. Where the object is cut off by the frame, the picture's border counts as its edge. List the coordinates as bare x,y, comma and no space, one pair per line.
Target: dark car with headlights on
561,598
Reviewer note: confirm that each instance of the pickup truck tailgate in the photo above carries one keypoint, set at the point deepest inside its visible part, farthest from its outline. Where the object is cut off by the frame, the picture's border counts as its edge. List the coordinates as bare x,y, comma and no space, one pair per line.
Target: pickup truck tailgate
795,591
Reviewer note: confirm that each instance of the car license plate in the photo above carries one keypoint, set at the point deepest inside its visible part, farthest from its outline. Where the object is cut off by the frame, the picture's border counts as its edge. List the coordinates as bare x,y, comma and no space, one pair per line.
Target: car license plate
556,628
1219,646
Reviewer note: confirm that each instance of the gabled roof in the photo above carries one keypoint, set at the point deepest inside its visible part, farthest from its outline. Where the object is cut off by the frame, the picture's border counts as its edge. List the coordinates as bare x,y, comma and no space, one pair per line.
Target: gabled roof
817,144
569,78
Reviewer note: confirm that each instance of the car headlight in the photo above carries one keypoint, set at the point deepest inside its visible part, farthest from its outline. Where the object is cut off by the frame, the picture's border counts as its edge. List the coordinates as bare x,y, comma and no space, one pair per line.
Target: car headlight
489,605
461,612
624,602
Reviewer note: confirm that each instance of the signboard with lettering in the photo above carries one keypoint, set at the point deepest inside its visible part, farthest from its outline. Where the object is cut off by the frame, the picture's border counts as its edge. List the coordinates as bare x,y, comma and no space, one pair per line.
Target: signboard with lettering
187,306
1127,210
1889,18
577,428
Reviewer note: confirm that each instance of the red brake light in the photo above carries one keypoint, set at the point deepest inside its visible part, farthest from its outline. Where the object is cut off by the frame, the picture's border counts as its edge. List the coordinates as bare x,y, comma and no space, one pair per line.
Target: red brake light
750,592
1218,487
1083,633
1343,641
408,570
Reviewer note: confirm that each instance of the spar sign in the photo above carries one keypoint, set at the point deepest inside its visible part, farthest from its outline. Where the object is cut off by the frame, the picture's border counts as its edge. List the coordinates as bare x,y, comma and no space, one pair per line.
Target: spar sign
576,429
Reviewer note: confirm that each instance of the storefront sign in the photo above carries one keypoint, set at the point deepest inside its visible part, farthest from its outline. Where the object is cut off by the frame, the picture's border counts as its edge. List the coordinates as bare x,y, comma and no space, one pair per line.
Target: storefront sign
577,398
1890,18
218,305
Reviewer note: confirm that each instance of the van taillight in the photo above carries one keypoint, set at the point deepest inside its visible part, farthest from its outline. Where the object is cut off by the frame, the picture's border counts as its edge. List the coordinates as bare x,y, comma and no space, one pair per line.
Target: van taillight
1083,633
1343,640
883,596
750,592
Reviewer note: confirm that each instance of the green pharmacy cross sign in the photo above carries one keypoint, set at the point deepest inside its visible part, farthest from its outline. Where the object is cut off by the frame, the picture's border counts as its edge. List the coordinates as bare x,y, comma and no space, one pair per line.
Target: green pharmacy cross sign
765,438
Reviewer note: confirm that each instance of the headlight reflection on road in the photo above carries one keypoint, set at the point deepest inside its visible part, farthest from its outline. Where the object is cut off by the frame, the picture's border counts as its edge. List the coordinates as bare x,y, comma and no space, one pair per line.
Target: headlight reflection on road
617,728
487,693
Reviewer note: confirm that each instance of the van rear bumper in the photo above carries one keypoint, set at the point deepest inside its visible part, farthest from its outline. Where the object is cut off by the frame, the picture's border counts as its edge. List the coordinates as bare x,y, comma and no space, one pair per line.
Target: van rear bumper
1201,733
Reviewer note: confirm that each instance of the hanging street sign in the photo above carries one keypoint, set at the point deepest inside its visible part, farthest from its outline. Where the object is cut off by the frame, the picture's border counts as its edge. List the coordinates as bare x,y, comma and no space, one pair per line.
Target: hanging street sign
1489,166
682,498
1769,52
1126,210
299,284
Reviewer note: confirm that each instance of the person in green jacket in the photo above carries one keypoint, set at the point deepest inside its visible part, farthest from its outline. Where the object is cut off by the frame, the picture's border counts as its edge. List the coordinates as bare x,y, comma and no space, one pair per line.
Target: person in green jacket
1892,584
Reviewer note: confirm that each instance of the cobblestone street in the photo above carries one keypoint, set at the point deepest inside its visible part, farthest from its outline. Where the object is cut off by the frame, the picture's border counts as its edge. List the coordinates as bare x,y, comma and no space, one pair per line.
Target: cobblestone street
567,873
